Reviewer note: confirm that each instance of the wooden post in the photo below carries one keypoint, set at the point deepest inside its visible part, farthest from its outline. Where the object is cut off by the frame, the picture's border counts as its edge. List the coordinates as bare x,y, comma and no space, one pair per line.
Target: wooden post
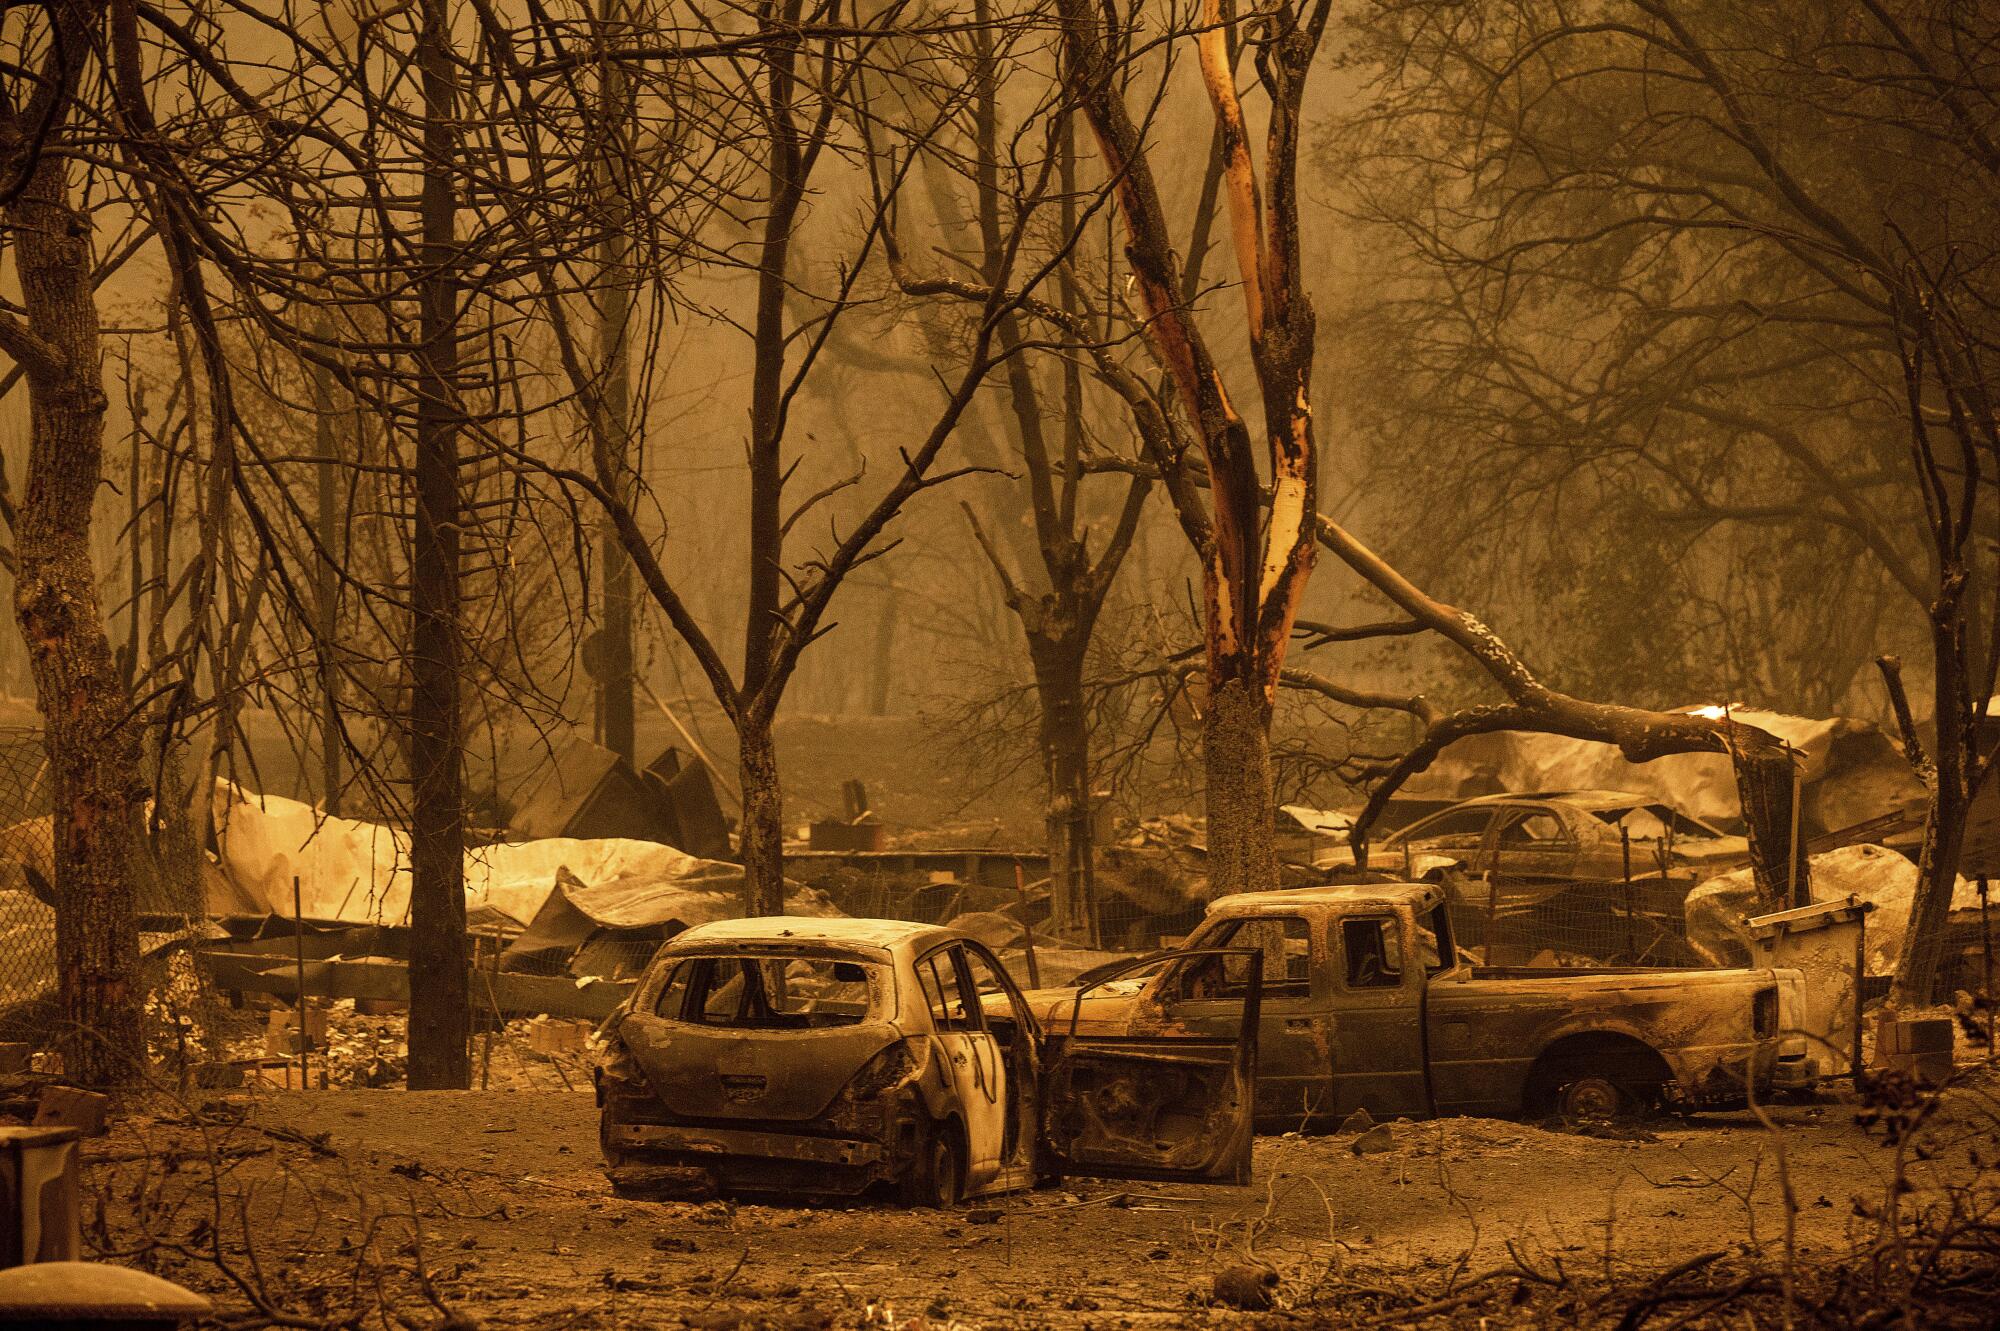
1792,847
1986,960
1492,917
1860,974
1028,930
299,952
486,1044
1625,846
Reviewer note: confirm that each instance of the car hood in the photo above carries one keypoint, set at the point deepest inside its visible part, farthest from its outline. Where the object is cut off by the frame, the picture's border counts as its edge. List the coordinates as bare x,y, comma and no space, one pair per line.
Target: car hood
1106,1010
784,1076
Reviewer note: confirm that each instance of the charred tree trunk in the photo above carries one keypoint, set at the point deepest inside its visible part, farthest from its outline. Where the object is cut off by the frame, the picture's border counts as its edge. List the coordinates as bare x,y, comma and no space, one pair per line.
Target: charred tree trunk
881,681
1254,571
1763,765
1242,813
761,838
93,749
440,1015
616,716
1065,751
326,586
1922,954
1951,777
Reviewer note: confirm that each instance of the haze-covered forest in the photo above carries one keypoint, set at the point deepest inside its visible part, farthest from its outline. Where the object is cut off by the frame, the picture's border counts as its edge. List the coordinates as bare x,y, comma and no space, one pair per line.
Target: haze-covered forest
1091,428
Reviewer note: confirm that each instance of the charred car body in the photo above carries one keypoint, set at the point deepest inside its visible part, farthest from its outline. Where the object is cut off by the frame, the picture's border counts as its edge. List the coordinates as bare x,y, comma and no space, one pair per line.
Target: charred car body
814,1058
1365,1004
1571,834
1590,876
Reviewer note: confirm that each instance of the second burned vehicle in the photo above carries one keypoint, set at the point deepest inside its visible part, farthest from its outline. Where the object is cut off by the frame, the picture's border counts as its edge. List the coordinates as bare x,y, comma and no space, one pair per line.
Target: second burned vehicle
1365,1003
815,1057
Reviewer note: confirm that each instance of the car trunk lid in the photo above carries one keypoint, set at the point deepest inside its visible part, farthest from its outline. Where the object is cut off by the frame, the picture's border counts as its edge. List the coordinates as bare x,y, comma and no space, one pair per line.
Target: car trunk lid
768,1076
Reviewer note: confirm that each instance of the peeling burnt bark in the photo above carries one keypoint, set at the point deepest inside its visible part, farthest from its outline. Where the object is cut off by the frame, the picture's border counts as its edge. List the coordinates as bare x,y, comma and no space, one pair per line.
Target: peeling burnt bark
1254,571
93,749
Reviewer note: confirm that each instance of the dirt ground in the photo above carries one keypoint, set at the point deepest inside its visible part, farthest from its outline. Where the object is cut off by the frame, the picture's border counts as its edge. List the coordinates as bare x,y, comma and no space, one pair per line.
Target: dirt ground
496,1197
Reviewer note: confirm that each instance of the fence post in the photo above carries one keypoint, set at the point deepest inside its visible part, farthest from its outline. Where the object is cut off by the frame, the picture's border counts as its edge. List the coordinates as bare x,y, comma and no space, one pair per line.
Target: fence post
299,951
1492,917
1631,942
1986,959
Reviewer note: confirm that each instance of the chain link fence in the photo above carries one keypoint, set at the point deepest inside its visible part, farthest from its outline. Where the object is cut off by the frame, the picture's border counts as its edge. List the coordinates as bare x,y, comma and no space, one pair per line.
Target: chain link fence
27,857
182,1016
1506,921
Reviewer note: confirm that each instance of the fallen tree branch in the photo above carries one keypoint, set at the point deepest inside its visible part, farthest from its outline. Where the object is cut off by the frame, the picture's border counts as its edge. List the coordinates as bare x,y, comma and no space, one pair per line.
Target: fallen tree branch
1763,763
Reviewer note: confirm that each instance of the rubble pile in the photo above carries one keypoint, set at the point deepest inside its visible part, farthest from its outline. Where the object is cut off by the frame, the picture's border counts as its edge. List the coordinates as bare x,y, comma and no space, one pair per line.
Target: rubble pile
352,1049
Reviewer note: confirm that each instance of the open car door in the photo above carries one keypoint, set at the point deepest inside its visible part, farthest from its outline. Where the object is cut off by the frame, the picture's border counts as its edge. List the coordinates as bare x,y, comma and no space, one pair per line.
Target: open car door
1161,1105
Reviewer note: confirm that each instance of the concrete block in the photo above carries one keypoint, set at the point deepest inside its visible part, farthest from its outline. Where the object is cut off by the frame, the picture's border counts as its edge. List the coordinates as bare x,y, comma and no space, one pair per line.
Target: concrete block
70,1107
555,1035
1930,1035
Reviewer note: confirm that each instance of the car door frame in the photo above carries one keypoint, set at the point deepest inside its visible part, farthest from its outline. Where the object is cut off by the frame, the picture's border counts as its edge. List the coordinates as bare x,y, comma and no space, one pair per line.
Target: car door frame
973,1061
1533,866
1293,1028
1022,1062
1109,1067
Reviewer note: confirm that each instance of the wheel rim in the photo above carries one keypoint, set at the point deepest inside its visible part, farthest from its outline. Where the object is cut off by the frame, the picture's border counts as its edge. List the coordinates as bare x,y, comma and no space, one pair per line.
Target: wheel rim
1593,1097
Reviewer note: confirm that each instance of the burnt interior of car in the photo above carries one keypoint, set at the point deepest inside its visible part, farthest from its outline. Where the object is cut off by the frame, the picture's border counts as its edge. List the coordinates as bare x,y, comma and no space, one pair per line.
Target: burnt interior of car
1285,941
768,993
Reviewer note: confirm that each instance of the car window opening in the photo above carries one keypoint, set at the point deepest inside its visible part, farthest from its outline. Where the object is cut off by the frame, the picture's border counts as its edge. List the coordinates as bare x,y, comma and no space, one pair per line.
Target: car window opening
1285,941
1373,949
772,993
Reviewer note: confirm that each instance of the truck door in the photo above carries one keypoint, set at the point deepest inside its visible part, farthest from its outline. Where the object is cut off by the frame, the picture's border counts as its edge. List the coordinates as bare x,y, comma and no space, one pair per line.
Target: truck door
1205,995
1378,1058
1159,1104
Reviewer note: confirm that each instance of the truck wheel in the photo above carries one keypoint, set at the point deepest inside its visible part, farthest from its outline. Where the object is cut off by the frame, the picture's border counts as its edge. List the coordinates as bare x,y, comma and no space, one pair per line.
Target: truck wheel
935,1180
1592,1098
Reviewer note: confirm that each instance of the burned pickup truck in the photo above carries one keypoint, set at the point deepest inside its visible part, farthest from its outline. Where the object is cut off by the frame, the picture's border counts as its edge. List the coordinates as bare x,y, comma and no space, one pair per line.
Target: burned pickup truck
1365,1005
816,1057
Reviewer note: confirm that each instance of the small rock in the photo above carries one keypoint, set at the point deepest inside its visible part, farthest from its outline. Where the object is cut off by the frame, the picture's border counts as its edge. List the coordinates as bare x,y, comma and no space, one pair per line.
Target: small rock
673,1243
1374,1141
984,1216
1358,1121
1244,1286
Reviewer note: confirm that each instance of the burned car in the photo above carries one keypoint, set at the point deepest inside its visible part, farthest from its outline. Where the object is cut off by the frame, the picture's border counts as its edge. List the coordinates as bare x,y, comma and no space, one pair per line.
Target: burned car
1570,835
826,1058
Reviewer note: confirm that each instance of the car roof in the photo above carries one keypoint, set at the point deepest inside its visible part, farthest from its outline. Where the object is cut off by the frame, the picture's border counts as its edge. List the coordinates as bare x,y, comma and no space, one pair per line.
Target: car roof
1340,894
1587,801
840,931
1583,799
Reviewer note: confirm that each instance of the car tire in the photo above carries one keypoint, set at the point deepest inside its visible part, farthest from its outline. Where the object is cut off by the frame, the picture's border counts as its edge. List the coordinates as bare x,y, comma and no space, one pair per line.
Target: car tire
1593,1099
937,1180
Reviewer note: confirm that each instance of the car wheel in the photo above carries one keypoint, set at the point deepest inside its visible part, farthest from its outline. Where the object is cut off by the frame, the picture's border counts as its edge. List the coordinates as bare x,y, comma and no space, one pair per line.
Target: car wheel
1592,1099
936,1179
